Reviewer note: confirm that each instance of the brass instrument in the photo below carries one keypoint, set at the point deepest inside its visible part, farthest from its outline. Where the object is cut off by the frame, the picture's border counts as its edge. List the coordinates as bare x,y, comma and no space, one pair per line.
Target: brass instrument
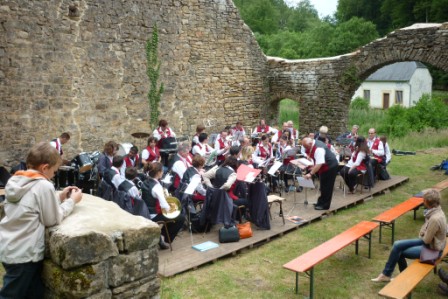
175,206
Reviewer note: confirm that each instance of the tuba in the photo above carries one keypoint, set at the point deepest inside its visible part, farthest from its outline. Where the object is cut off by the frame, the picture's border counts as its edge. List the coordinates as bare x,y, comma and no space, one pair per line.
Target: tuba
175,206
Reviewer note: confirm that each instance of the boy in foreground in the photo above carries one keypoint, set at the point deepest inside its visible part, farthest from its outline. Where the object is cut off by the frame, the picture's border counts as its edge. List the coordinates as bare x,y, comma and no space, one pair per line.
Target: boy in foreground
31,205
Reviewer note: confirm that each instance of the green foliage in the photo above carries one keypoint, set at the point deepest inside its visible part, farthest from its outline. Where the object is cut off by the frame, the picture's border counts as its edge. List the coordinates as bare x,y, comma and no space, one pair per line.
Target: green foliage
360,104
396,123
288,110
153,72
428,112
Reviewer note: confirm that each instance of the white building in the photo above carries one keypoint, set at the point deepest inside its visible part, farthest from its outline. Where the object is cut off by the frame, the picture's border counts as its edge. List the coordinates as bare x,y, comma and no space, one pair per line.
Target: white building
401,83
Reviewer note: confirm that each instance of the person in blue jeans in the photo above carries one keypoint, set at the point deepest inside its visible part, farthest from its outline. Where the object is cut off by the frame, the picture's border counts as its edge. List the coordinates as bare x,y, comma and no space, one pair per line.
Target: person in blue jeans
432,234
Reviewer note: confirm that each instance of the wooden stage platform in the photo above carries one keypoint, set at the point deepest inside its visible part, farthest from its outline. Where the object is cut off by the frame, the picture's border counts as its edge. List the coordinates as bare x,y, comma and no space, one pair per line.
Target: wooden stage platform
184,257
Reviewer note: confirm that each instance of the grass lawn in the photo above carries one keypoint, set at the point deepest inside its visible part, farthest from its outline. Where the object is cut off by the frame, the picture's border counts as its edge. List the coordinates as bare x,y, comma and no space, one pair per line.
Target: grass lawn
258,272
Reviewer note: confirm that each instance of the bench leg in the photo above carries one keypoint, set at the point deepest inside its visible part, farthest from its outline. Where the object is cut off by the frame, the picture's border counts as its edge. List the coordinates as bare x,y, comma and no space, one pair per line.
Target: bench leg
393,232
312,283
370,243
381,230
297,282
357,247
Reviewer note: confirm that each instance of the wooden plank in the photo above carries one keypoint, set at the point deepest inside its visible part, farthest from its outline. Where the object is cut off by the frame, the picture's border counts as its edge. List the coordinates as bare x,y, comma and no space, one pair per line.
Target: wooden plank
314,256
400,209
406,281
441,185
184,258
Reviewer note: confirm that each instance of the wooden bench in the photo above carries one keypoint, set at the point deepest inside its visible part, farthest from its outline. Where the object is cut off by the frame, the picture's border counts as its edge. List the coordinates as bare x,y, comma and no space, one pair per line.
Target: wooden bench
387,218
441,185
402,285
306,262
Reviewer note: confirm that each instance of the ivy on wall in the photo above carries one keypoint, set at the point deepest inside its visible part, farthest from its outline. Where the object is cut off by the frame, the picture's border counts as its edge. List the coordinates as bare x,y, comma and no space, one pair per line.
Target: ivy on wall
153,72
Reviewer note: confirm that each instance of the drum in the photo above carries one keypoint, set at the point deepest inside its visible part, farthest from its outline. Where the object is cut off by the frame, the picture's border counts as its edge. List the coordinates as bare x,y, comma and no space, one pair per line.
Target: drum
124,148
65,177
83,161
94,156
168,145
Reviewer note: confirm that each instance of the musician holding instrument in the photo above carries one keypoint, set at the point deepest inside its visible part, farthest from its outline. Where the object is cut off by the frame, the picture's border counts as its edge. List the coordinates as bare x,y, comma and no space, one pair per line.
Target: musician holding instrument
197,168
199,129
376,148
222,145
151,153
238,133
180,162
263,129
159,208
263,150
132,158
285,150
356,164
294,132
58,142
326,165
162,133
202,148
276,138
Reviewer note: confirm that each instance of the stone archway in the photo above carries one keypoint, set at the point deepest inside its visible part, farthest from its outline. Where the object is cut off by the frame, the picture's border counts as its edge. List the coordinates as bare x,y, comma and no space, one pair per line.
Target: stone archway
326,85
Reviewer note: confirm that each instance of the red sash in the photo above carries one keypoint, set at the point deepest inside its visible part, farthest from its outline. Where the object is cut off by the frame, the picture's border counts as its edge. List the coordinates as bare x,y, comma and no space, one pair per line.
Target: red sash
221,146
263,153
375,146
262,130
324,166
361,166
153,155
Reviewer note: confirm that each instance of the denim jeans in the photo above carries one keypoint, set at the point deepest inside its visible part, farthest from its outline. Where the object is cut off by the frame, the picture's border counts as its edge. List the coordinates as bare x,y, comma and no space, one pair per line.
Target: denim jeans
401,250
22,281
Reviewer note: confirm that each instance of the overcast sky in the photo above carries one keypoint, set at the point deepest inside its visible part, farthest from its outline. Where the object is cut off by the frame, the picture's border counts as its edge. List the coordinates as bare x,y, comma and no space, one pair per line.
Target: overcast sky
324,7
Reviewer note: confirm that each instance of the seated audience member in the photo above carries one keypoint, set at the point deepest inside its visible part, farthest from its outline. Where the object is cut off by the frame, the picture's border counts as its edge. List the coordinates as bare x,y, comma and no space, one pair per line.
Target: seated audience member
128,184
387,152
105,159
154,197
132,159
151,153
356,164
432,235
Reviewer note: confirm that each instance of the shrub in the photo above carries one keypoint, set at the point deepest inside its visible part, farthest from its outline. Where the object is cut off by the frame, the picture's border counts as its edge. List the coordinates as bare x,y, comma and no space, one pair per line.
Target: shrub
360,104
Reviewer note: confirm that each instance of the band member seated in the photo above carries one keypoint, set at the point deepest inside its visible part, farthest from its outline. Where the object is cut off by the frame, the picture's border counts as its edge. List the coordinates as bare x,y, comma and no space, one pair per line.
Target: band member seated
224,177
263,128
276,138
132,159
199,129
154,197
128,184
354,132
202,148
179,164
151,153
197,168
387,153
376,148
356,164
294,132
222,145
238,133
323,131
113,176
286,157
105,159
246,156
263,150
162,134
326,165
329,145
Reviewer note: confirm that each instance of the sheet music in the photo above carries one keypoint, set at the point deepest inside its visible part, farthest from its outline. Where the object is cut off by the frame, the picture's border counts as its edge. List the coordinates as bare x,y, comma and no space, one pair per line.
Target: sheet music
195,181
265,162
246,173
275,167
167,179
305,183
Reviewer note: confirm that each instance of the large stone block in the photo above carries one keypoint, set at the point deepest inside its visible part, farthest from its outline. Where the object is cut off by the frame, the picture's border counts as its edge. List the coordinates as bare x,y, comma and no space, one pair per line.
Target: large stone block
96,230
75,283
142,289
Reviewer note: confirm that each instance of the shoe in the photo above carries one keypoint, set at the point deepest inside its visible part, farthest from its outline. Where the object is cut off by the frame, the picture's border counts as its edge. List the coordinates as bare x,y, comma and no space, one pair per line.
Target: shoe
163,245
381,278
442,289
443,275
299,189
319,208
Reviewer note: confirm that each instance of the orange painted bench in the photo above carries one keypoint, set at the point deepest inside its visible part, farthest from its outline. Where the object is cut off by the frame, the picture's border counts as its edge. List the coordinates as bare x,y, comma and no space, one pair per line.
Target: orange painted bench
441,185
402,285
306,262
387,218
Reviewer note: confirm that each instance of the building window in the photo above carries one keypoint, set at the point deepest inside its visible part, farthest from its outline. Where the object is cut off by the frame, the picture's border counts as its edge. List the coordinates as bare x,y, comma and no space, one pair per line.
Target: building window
367,95
398,97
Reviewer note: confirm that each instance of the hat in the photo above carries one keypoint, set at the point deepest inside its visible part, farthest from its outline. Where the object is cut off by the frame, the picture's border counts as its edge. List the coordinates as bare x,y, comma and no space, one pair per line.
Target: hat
323,130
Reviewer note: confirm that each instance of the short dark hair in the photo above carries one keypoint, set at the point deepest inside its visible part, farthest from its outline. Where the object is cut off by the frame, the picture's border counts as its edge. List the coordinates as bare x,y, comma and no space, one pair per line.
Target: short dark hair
152,139
133,149
234,150
131,173
231,161
117,161
65,135
153,168
163,123
202,137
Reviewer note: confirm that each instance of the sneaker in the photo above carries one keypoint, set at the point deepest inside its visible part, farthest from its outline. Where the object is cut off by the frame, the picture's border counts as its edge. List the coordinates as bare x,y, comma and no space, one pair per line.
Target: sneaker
381,278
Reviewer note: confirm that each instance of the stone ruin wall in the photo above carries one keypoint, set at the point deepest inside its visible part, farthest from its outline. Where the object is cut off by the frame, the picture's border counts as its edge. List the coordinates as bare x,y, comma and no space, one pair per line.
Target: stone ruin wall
84,70
102,251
